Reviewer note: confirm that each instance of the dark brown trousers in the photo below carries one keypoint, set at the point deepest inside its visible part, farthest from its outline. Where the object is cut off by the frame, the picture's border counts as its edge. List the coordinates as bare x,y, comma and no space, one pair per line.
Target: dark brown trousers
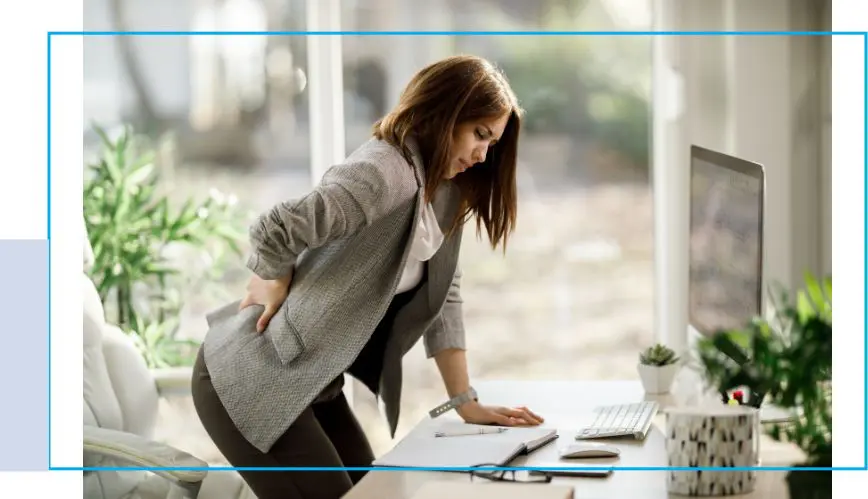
326,435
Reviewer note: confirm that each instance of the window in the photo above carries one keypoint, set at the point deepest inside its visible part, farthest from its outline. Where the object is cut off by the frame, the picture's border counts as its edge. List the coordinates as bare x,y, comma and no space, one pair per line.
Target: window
229,119
573,297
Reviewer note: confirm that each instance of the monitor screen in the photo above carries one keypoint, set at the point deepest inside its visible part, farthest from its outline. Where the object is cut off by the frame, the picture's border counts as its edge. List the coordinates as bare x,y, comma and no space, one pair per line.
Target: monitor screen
726,233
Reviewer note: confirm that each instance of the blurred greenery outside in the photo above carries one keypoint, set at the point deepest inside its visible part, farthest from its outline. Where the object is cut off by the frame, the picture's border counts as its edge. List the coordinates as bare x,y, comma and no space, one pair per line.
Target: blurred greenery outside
577,279
570,93
583,88
134,230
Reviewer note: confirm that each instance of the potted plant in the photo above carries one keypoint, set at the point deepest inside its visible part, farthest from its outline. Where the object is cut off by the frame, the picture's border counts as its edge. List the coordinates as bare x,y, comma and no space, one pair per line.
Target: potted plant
658,365
133,226
786,360
740,360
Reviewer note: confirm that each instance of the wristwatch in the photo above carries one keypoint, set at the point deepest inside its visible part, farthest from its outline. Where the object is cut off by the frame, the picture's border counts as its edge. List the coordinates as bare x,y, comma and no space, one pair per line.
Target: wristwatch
454,403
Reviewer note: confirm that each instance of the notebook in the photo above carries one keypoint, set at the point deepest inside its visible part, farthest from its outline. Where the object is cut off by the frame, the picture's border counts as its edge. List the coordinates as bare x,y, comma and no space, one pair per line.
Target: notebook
421,449
436,489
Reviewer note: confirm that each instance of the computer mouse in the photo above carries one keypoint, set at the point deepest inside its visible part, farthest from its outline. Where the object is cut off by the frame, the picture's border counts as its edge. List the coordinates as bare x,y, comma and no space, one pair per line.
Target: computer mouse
588,449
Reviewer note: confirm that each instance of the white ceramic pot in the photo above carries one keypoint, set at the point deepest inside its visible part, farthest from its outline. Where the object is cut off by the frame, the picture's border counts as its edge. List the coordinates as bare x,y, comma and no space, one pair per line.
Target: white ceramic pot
657,379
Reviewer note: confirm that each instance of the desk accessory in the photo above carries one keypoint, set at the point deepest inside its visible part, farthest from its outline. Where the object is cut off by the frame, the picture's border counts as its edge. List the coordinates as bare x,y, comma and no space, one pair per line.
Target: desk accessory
657,368
621,420
470,430
719,437
563,469
580,450
507,474
785,359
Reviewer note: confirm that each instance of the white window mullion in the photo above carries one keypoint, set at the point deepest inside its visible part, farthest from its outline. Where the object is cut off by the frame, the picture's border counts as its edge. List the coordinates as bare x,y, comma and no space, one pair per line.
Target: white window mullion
326,102
669,184
325,71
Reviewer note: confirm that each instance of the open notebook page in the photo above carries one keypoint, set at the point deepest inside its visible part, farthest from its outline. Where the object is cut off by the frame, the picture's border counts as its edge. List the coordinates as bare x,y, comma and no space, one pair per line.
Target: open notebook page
421,448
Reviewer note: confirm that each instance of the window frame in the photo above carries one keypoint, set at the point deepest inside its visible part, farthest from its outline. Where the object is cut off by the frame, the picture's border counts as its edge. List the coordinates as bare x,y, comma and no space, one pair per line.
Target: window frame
670,140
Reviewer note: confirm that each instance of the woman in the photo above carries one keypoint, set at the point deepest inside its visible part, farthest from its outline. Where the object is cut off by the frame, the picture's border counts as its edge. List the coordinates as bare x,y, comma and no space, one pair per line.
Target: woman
349,277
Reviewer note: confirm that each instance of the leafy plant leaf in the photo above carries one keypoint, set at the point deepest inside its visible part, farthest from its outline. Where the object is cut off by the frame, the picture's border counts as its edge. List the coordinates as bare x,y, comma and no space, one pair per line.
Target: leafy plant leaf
129,225
787,361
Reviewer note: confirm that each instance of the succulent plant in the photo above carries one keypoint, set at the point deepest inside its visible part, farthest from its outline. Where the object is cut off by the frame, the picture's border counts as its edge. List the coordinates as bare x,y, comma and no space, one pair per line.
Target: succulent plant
658,355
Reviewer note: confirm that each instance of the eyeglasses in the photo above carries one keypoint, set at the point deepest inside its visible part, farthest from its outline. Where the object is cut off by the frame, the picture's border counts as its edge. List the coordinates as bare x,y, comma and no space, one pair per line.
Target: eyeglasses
509,475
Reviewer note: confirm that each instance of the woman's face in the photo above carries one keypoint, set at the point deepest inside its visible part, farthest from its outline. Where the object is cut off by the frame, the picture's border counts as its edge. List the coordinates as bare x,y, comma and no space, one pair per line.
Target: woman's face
471,141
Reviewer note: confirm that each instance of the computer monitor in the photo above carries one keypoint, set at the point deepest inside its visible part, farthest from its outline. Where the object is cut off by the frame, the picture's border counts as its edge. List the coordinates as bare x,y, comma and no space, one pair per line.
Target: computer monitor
726,241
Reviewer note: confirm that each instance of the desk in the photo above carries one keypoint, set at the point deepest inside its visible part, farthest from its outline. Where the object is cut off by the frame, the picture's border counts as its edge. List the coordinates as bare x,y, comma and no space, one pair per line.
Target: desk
559,402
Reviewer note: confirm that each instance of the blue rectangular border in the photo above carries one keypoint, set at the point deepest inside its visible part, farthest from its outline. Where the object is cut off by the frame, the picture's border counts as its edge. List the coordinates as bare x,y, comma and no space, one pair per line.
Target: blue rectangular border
863,34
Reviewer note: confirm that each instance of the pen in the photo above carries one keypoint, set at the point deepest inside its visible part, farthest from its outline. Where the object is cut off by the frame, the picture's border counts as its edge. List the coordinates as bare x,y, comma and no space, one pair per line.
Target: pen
469,431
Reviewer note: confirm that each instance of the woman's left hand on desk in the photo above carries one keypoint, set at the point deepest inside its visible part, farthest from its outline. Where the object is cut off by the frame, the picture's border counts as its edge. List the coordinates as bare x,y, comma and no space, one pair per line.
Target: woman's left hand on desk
476,413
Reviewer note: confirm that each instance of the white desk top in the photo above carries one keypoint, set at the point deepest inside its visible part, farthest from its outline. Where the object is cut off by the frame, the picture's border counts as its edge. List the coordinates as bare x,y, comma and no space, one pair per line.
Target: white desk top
563,404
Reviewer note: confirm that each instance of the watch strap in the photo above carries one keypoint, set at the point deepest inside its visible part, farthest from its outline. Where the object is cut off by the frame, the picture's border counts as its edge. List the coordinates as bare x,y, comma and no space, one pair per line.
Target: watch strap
454,403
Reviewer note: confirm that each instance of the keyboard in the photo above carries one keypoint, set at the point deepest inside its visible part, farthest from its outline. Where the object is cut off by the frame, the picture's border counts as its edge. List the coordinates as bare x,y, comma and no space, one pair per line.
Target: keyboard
623,420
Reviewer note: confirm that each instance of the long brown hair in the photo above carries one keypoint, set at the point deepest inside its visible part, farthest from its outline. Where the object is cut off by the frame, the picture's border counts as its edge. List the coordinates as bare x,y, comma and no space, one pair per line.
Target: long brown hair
439,98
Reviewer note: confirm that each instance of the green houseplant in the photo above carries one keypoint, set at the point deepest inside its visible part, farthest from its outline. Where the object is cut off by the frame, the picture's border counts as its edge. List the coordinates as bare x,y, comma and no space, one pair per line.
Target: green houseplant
658,365
786,360
133,227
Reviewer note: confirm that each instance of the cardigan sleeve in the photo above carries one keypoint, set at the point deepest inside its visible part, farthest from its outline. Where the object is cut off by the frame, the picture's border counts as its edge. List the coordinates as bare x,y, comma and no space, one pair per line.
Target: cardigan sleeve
447,329
350,197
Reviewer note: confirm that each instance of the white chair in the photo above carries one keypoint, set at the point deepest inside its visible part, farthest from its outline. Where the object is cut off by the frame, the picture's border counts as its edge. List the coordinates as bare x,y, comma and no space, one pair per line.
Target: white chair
121,399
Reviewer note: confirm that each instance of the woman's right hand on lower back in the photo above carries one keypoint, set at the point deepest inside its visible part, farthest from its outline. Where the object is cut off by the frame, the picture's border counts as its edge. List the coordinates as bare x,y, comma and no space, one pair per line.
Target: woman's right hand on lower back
269,293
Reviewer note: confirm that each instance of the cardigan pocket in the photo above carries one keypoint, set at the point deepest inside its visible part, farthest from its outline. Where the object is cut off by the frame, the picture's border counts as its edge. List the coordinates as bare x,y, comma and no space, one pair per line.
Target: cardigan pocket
285,337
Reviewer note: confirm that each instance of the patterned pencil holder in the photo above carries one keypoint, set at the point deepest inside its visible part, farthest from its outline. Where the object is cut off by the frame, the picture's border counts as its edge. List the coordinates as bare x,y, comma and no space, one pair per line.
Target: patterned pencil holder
712,437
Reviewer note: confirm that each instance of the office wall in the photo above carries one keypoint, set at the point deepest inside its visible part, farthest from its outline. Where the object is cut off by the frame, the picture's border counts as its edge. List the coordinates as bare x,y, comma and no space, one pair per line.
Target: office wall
826,143
763,98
